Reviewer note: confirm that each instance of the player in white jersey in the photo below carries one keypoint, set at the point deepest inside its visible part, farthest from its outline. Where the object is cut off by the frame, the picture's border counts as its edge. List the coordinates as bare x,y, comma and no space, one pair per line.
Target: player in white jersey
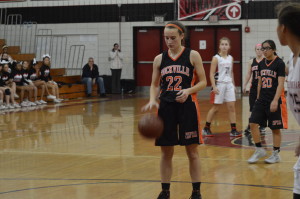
289,34
223,87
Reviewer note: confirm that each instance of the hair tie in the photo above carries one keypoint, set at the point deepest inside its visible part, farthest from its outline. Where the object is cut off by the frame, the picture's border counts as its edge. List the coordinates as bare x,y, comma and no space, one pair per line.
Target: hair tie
175,26
46,55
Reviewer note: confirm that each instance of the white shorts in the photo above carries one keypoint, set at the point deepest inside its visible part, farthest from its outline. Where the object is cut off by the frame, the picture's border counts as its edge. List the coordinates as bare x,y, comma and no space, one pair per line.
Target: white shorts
226,93
297,177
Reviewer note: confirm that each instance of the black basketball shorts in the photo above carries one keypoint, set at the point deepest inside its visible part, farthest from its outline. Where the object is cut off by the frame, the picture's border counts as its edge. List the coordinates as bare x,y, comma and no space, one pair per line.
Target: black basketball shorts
262,115
181,123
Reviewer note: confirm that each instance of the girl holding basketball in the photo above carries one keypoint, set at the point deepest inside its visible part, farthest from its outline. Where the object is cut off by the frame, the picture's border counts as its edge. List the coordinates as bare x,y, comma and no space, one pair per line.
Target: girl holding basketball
174,76
289,34
223,87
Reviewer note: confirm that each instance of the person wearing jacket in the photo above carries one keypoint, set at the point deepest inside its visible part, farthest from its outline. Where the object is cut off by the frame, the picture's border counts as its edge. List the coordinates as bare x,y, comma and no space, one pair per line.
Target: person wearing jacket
116,59
90,76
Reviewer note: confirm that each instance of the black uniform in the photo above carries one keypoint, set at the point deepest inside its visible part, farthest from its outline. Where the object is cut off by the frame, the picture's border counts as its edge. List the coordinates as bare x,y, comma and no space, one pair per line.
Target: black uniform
45,73
33,75
18,78
26,74
254,83
5,77
177,75
269,73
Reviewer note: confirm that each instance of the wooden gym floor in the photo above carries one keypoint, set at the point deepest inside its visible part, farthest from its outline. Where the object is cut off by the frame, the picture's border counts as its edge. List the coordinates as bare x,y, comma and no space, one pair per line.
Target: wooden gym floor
90,148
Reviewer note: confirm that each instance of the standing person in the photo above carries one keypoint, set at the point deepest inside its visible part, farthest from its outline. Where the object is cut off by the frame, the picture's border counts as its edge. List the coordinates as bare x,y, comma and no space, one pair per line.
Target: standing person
289,34
116,59
173,79
45,76
223,87
252,74
90,76
270,107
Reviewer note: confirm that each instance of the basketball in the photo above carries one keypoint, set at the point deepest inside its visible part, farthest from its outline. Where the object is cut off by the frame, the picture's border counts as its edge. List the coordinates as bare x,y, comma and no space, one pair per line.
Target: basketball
150,126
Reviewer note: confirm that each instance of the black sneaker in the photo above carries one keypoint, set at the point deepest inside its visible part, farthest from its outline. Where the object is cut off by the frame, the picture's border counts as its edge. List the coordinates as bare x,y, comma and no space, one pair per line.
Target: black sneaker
207,133
262,130
247,131
235,133
196,195
164,195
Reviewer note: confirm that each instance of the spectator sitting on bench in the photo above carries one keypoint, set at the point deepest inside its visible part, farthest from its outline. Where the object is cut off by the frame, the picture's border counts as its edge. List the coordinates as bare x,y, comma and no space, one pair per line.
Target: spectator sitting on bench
4,55
45,76
22,86
31,74
7,94
7,79
90,75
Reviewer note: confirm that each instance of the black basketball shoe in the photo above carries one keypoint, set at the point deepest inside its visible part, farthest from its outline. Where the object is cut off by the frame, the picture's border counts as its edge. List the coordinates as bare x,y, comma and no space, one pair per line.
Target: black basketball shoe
235,133
164,195
196,195
247,131
207,133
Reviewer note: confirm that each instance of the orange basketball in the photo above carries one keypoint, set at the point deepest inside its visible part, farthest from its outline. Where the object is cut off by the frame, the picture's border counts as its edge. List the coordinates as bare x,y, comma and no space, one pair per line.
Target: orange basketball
150,126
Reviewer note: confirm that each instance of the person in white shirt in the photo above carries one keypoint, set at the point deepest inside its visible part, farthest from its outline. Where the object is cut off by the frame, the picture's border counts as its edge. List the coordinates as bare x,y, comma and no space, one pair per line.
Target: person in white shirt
116,60
289,35
223,89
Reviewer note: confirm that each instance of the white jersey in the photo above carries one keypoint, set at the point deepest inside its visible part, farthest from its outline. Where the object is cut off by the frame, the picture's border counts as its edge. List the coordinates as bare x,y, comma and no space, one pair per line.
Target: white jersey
293,85
224,68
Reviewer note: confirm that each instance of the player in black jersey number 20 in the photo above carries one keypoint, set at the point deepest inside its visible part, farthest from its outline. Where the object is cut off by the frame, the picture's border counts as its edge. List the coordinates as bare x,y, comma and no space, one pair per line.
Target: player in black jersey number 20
178,74
270,106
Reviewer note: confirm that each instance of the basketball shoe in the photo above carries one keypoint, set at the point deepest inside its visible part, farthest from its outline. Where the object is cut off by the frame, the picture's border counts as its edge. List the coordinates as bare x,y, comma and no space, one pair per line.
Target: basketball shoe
262,130
207,133
235,133
164,195
196,195
274,158
259,153
247,131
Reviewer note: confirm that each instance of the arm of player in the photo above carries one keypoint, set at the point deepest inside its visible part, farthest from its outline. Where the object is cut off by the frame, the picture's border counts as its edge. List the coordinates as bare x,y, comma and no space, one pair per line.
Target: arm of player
248,77
213,68
274,103
196,61
154,88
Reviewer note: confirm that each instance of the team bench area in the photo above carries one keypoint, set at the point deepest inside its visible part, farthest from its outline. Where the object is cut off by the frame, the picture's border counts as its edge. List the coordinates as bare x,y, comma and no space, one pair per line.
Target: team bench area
71,87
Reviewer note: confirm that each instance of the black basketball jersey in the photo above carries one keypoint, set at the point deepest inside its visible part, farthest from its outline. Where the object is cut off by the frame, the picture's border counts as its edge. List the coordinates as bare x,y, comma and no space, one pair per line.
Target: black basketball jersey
176,74
254,69
269,73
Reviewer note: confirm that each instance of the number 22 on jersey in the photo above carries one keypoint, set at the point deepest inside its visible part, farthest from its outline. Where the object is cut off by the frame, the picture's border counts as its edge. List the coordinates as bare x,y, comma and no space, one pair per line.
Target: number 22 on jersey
177,80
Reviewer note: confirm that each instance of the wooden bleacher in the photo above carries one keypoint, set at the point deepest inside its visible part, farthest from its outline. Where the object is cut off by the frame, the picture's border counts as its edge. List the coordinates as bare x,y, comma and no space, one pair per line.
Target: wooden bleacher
73,88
